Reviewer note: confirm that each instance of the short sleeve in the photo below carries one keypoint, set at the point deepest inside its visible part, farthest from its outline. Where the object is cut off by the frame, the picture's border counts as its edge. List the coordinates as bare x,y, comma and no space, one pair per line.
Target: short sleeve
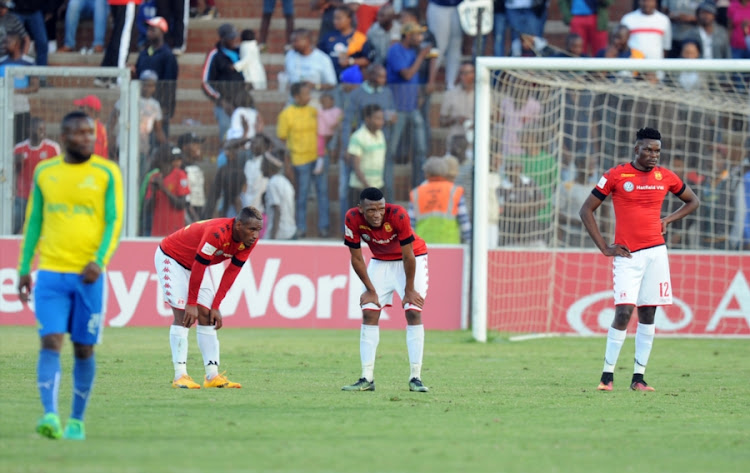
210,243
351,231
402,225
355,148
604,186
676,185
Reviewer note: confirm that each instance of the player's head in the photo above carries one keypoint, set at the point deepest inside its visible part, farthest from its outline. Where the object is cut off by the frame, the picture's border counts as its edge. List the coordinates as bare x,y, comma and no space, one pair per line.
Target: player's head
647,148
372,206
78,136
247,225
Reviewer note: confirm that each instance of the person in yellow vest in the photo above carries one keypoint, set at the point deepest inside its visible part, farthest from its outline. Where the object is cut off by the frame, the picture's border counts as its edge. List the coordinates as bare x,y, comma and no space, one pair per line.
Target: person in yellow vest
437,207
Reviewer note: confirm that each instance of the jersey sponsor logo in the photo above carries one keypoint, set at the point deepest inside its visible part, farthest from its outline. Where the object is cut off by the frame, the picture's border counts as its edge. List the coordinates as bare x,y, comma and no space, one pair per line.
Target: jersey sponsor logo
602,182
388,227
628,186
650,188
627,175
348,232
63,208
657,175
383,242
208,249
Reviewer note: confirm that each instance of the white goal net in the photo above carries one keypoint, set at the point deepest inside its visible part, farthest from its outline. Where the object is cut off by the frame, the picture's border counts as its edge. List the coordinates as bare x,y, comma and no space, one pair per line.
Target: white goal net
546,130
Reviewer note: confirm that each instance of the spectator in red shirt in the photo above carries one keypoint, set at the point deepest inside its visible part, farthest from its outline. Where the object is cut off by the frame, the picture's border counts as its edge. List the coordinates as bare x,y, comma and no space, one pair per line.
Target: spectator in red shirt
167,192
27,154
92,106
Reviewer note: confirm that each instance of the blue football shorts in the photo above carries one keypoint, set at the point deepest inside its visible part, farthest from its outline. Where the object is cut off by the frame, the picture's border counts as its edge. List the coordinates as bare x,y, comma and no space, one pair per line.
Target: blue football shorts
64,303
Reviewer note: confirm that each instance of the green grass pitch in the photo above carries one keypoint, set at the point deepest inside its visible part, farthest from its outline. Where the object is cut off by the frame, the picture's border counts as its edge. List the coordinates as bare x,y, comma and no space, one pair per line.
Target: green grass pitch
498,407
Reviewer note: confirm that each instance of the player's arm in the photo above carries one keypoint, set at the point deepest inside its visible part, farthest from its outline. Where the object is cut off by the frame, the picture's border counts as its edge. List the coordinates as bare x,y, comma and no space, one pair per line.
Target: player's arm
411,296
114,209
358,264
690,204
230,274
31,232
587,217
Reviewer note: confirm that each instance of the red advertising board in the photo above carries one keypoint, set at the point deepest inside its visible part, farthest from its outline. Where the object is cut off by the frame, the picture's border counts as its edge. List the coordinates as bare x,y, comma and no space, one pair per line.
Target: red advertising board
284,285
572,293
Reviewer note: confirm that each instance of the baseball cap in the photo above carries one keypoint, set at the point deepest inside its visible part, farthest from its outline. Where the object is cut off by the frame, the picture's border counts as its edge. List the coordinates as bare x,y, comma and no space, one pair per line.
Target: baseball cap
227,31
411,27
175,152
352,75
158,22
148,74
187,138
707,7
91,101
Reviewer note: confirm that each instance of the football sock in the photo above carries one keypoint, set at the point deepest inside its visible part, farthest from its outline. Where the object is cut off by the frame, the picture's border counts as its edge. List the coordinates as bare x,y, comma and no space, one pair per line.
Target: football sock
615,339
84,370
209,346
644,340
415,346
178,341
48,379
368,345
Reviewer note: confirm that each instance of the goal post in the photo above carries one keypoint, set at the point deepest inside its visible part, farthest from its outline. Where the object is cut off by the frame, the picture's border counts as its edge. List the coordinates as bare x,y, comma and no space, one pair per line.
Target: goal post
533,270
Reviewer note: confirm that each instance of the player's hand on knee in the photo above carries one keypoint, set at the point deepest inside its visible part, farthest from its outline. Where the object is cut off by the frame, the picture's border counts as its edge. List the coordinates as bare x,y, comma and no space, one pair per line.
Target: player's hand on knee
191,315
91,272
617,250
369,297
413,297
215,319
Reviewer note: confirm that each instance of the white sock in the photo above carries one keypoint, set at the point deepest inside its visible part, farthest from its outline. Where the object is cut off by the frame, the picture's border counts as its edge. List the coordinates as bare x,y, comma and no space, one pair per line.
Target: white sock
178,341
644,340
615,339
369,338
415,346
209,345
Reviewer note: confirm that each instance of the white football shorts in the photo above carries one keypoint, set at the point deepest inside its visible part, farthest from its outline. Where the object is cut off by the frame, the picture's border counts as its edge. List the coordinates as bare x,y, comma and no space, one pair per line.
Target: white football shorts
174,280
389,276
644,279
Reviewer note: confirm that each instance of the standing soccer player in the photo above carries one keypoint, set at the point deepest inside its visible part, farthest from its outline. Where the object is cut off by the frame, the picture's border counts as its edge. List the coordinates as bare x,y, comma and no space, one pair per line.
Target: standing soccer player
641,267
74,214
399,264
181,261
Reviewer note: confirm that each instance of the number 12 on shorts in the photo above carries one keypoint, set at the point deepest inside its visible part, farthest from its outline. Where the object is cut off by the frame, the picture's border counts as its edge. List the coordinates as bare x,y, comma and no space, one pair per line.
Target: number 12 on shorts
664,289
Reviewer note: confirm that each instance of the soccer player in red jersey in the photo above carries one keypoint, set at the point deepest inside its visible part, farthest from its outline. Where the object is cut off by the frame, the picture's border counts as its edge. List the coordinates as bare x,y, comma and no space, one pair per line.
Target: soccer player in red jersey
181,261
641,267
398,264
27,154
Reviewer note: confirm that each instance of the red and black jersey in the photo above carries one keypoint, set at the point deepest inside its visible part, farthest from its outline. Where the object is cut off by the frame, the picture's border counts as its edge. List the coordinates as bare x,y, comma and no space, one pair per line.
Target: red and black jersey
205,243
386,241
637,197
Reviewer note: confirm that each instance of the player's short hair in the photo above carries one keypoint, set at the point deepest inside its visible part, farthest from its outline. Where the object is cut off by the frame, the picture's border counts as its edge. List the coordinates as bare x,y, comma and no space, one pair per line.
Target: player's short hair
73,117
248,213
371,108
648,134
371,193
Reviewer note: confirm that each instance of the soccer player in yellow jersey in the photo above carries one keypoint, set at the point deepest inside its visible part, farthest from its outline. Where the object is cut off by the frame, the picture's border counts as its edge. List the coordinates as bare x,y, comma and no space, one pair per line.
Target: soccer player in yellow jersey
73,220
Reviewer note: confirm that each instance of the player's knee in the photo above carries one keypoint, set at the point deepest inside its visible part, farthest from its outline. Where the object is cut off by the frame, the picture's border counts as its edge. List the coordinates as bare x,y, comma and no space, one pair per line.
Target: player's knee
83,351
413,317
52,342
370,317
622,316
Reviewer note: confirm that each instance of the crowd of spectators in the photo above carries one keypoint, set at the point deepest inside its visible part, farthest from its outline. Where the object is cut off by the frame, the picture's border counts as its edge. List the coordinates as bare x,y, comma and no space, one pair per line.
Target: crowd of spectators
359,95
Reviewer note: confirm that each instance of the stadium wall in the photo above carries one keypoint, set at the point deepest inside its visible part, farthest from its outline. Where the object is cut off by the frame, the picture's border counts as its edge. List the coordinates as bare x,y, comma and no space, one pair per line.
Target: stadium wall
284,285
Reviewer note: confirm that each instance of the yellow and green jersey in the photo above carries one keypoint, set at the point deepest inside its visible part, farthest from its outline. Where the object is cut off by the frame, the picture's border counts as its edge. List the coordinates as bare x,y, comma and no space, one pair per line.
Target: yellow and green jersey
74,215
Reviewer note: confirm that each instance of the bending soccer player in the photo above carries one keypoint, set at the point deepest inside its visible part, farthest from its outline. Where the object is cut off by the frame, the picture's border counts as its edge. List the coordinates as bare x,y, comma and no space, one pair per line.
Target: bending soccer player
181,261
75,213
398,264
641,268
